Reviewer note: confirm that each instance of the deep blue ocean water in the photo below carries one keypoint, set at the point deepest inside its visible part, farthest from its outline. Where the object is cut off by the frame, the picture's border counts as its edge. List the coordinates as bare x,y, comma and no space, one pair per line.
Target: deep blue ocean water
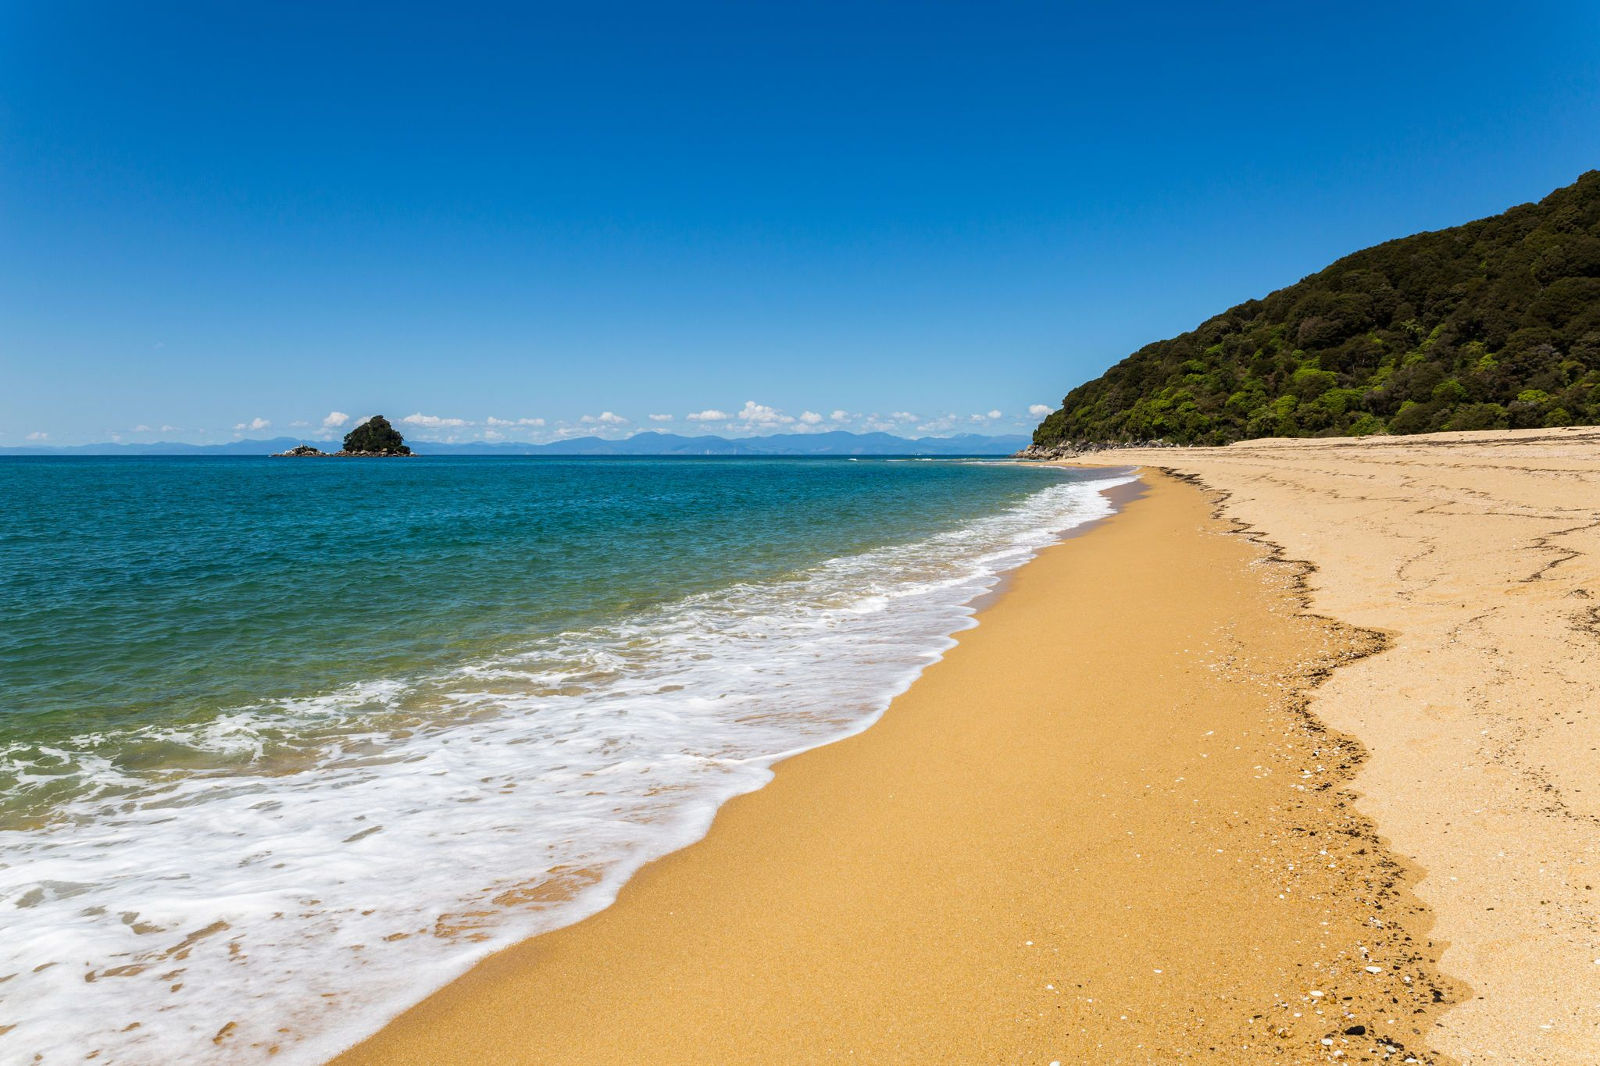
161,589
367,720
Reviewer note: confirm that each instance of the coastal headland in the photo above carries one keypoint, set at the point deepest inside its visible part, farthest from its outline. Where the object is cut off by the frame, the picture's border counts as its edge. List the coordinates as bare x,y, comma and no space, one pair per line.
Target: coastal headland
1104,828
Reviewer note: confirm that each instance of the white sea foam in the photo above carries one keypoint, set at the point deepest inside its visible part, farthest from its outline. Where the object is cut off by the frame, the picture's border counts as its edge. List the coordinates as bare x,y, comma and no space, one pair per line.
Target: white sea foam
306,869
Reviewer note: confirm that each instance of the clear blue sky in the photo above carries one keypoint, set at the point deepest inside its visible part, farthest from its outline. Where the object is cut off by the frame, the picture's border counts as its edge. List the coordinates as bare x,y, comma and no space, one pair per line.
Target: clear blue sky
226,215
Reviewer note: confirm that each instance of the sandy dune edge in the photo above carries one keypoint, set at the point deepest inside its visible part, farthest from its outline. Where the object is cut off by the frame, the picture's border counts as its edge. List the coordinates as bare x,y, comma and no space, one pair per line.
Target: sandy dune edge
1480,554
1102,830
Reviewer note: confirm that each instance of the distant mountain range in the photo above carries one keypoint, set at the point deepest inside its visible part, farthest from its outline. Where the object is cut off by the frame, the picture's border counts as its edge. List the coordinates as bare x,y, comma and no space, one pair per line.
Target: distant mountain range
838,442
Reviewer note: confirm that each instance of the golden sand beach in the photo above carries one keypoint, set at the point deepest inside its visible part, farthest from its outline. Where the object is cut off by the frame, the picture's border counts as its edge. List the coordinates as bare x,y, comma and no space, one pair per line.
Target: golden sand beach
1103,829
1479,553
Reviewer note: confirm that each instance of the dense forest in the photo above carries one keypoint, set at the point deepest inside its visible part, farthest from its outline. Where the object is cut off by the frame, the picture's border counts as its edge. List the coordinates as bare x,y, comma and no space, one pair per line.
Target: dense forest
1489,325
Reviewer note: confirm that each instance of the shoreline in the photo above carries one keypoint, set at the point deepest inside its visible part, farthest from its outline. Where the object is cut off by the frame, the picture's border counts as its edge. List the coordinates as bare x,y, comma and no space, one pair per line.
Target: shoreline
863,899
413,822
1118,495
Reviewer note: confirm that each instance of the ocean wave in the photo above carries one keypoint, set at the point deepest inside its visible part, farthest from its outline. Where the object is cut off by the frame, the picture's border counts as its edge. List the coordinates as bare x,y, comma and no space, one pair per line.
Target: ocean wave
280,879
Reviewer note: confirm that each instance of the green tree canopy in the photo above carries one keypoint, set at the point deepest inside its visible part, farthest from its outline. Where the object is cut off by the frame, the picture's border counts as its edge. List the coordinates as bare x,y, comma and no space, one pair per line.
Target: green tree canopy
1489,325
376,435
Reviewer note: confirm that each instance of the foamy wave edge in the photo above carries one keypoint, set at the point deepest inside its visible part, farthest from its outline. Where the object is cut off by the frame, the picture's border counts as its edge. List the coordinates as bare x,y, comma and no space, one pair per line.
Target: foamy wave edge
306,884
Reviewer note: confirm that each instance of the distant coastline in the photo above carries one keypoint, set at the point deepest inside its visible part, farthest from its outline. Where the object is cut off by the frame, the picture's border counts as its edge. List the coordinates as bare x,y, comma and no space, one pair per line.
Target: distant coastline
840,443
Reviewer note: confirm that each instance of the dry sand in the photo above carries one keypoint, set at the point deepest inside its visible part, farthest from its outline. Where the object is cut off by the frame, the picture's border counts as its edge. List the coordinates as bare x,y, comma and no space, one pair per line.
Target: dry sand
1101,830
1480,554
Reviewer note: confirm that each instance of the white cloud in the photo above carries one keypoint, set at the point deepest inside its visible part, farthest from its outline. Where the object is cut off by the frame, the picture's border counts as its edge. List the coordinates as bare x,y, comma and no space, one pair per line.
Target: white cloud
335,419
840,415
493,421
604,418
995,413
431,421
1039,410
759,414
810,418
141,428
903,416
661,418
530,421
169,429
299,423
710,414
38,436
254,423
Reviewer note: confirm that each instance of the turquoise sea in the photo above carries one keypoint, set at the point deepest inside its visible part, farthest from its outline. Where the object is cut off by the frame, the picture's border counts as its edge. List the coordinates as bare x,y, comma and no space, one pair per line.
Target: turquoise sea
285,744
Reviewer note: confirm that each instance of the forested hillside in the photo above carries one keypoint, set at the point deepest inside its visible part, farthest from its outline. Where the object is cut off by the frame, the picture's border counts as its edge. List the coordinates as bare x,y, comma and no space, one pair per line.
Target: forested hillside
1488,325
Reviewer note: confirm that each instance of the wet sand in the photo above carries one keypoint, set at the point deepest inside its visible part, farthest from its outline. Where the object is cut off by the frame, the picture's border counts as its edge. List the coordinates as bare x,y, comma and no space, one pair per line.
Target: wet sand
1103,829
1480,554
